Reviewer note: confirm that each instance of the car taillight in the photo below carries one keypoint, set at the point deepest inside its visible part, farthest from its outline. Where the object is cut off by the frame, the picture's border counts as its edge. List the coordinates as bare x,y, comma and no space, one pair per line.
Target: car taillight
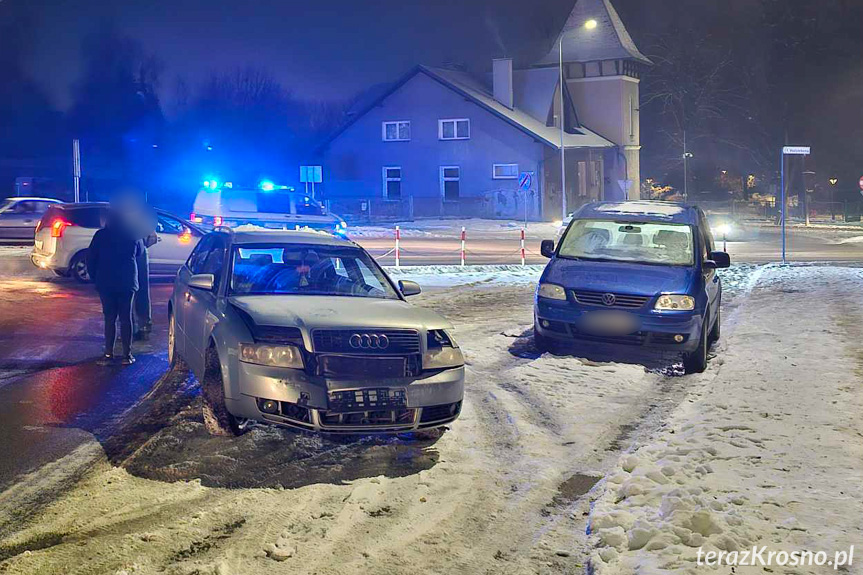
58,227
217,220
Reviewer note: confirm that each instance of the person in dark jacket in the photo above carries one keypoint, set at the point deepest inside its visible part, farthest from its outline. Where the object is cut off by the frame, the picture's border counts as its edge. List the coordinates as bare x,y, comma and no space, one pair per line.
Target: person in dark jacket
111,263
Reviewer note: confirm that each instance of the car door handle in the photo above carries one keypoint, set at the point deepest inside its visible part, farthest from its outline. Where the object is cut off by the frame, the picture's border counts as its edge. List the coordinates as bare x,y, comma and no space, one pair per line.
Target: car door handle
188,296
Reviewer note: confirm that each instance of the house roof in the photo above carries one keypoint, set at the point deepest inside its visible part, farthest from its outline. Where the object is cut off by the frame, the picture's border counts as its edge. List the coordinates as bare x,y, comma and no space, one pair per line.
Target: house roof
468,87
608,41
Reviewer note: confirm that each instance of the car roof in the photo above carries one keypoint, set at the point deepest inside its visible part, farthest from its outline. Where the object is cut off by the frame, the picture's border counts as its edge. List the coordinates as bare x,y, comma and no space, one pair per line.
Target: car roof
640,211
32,199
80,205
301,236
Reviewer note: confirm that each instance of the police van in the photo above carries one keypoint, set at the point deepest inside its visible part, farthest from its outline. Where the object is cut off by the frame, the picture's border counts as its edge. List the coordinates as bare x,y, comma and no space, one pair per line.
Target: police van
267,205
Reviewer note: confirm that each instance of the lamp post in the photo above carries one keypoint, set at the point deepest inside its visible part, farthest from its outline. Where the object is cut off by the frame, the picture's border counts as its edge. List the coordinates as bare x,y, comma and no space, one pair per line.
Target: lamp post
686,156
588,25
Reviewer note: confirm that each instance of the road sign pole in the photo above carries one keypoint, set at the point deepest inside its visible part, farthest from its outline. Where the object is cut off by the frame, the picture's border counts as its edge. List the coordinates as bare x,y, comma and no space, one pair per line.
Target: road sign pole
782,183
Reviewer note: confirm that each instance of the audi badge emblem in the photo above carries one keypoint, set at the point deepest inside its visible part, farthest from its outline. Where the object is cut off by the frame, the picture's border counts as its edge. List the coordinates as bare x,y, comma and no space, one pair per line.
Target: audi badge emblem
609,299
369,341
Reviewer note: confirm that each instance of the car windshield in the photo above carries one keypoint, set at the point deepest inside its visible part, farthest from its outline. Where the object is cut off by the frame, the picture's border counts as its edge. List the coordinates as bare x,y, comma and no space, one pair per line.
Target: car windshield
303,269
637,242
6,204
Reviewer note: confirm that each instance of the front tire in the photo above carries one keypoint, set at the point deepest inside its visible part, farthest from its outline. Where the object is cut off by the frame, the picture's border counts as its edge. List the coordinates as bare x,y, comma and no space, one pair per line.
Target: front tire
78,268
217,419
542,343
716,332
696,362
176,364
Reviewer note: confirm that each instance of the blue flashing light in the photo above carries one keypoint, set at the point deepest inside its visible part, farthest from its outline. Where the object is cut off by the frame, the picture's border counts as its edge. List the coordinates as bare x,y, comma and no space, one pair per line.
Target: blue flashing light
267,186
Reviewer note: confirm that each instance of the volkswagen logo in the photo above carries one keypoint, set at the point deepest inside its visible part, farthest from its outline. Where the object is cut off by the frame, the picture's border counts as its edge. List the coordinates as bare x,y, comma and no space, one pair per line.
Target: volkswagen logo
369,341
609,299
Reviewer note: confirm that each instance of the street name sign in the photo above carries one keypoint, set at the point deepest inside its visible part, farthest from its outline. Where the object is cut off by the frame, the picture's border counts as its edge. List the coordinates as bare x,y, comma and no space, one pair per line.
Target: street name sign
797,150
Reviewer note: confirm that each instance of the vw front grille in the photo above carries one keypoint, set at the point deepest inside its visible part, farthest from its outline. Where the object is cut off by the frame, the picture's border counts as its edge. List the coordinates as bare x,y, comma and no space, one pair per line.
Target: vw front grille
621,301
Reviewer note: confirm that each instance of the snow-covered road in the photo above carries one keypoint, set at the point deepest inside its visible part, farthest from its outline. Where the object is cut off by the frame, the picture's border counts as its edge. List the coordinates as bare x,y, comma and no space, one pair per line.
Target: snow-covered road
508,488
767,451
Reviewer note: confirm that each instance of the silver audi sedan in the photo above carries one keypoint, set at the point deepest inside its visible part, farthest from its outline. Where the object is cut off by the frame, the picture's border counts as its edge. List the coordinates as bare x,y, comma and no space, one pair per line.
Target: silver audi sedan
304,329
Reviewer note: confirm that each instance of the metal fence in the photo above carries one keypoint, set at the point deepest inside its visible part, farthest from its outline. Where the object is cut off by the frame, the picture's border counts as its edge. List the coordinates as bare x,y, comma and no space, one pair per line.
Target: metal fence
508,204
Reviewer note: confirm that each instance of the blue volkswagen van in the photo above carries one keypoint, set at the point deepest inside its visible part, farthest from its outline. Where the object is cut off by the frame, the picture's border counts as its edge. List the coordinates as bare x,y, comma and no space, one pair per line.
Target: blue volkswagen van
635,276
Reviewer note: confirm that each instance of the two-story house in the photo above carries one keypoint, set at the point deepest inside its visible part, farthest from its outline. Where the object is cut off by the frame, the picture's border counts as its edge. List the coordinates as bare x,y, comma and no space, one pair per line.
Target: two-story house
440,142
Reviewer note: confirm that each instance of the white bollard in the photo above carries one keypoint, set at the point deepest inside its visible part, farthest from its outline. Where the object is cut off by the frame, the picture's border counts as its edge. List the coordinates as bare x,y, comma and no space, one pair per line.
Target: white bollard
398,237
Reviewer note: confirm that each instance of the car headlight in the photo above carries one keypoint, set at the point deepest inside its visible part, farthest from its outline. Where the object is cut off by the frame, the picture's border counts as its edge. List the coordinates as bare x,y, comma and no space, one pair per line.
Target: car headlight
723,230
272,355
675,303
551,291
442,351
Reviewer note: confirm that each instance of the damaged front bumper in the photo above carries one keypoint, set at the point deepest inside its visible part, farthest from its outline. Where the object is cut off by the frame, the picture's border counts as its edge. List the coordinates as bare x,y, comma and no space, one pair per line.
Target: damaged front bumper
292,397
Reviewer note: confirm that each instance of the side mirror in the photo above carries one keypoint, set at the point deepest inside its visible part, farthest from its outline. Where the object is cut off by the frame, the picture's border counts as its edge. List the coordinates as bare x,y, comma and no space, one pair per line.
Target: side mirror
547,248
409,288
718,260
202,281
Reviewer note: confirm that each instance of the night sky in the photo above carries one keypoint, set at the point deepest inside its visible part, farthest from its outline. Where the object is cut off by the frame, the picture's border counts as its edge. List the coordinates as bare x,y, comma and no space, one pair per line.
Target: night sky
320,50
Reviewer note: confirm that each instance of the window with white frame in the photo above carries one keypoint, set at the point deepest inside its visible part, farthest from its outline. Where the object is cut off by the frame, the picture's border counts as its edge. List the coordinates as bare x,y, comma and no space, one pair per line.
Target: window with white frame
396,131
455,129
505,172
449,183
392,183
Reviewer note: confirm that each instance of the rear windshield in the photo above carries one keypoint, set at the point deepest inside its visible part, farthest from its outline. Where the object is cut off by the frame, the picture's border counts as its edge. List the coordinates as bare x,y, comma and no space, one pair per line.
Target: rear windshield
90,217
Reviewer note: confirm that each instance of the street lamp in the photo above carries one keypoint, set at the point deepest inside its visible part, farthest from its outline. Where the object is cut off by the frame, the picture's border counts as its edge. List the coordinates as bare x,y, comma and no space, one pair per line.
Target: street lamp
588,25
833,181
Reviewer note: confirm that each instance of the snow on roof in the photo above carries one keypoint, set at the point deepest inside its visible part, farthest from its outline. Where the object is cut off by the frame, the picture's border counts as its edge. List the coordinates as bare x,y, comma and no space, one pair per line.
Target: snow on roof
250,233
550,135
669,211
608,41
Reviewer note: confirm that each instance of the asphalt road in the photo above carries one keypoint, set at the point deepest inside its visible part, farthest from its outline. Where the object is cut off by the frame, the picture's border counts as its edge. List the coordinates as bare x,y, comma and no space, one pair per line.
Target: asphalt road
53,396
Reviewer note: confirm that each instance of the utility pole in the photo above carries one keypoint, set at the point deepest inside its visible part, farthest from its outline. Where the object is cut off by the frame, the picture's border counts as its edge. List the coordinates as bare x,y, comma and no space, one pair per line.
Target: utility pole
76,169
562,149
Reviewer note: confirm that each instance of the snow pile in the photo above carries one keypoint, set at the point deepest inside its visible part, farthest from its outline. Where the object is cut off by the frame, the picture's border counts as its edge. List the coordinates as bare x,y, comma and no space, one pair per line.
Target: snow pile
440,276
763,453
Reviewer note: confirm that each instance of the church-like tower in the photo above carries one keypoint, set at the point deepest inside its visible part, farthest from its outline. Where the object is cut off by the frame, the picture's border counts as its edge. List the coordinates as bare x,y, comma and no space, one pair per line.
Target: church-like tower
602,68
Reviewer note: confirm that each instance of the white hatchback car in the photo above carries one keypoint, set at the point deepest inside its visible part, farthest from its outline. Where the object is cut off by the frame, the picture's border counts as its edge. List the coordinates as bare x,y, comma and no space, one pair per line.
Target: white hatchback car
65,231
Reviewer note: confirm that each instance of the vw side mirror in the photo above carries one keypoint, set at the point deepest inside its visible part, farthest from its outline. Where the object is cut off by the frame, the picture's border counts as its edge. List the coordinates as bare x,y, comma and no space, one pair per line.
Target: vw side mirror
409,288
202,281
718,260
547,248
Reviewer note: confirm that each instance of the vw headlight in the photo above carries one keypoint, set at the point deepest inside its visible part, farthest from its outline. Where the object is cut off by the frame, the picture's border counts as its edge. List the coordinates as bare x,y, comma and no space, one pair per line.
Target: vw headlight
272,355
442,351
551,291
675,303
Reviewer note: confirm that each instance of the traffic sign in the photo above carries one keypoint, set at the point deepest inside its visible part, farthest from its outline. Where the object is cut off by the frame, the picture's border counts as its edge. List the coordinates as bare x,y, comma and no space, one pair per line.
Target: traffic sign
796,150
525,181
311,175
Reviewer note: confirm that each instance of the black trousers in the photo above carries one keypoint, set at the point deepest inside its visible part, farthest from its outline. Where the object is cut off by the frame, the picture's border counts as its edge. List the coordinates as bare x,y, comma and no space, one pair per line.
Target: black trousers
143,311
117,305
